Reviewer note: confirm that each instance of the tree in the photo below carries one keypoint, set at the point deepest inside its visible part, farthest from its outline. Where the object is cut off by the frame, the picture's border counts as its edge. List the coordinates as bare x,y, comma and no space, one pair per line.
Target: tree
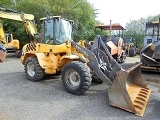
6,3
80,11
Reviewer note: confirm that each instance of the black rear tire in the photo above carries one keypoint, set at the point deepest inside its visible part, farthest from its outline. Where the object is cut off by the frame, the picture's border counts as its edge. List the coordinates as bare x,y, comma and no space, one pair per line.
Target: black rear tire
76,77
33,70
132,52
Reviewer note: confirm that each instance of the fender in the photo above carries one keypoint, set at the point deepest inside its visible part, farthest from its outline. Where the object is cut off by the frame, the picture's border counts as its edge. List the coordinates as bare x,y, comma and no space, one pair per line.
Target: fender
66,59
49,62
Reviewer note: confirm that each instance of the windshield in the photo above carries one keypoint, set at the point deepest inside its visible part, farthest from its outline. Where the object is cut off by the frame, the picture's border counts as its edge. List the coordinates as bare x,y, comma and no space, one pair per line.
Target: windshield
152,31
8,37
127,40
57,31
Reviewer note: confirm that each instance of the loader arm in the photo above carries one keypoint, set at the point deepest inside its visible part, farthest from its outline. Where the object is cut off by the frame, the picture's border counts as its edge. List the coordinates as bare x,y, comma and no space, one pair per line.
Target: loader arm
27,19
99,61
93,62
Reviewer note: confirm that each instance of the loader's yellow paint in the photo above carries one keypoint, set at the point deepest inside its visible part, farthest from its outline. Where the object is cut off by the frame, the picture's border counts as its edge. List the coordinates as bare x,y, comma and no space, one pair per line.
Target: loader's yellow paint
51,58
56,49
14,43
139,97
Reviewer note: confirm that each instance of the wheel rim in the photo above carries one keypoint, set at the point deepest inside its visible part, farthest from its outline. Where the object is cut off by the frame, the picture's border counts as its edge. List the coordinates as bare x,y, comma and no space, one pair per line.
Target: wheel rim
72,78
123,59
31,69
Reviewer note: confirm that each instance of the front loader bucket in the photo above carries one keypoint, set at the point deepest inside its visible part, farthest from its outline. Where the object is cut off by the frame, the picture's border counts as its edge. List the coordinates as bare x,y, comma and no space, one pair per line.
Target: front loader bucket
129,91
2,56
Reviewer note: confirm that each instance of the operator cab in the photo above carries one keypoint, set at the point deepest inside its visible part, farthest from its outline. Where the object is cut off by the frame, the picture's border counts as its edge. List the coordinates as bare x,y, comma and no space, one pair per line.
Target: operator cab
152,33
8,37
113,28
56,30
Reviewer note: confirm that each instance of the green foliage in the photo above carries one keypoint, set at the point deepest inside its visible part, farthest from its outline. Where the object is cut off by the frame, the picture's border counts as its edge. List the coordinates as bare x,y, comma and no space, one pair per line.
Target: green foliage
80,11
38,8
6,3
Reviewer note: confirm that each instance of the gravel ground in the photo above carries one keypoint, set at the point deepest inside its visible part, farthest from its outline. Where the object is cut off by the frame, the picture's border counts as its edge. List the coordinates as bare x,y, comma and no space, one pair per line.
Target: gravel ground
21,99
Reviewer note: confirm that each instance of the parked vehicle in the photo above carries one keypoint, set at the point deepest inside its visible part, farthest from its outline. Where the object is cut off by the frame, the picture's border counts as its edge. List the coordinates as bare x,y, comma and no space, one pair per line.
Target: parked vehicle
150,54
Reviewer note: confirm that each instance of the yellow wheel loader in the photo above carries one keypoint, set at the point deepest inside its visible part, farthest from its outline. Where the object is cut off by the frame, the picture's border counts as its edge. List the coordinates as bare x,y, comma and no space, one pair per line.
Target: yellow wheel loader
13,45
78,61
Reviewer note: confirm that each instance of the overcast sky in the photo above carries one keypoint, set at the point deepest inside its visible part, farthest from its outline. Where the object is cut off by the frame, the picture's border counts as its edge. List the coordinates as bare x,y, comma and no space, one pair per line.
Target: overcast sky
122,11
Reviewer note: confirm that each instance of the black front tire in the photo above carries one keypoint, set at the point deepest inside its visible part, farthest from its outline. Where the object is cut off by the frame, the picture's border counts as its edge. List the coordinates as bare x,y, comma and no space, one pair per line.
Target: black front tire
76,78
33,70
